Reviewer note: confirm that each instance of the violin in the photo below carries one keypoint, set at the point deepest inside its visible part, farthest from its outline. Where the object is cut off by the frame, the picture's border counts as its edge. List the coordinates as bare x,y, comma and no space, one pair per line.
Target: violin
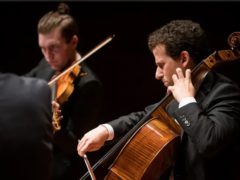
65,85
65,81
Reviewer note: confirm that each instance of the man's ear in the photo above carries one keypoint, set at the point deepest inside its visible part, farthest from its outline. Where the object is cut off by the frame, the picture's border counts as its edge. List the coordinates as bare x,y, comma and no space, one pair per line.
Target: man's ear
74,40
185,59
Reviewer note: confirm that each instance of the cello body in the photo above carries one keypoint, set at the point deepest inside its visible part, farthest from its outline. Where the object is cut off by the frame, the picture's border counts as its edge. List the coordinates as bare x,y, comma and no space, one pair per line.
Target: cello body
148,154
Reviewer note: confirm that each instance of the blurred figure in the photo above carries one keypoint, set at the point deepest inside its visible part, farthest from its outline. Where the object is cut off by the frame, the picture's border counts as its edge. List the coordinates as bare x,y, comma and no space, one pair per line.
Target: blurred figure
25,128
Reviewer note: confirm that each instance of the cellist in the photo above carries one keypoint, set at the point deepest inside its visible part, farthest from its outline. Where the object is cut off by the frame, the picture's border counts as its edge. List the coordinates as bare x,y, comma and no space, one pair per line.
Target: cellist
208,116
58,40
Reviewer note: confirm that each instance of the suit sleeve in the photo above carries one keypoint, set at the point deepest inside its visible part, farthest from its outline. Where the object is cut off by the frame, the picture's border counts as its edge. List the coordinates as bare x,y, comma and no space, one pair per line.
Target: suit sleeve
213,128
123,124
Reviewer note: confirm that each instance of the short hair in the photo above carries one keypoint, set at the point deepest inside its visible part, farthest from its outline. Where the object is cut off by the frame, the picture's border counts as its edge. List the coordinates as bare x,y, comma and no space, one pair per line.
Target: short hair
59,18
180,35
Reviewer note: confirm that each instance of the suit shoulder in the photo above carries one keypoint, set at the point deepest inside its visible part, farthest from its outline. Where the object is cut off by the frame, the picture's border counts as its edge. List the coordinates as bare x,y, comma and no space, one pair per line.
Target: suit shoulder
90,75
22,87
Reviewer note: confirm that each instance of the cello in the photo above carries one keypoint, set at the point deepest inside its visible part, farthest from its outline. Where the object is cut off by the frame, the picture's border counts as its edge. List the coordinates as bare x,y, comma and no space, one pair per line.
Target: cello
149,148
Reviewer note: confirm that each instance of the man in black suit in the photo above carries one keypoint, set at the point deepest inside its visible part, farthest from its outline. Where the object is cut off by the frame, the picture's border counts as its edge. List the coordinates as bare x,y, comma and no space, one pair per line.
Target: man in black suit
209,116
80,109
25,128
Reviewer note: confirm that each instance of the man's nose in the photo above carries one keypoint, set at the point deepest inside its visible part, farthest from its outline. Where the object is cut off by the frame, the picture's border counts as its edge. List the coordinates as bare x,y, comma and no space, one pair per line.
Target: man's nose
48,55
158,74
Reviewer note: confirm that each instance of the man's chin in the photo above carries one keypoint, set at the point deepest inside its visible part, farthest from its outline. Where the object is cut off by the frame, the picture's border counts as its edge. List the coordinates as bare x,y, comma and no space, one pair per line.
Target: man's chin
54,68
166,84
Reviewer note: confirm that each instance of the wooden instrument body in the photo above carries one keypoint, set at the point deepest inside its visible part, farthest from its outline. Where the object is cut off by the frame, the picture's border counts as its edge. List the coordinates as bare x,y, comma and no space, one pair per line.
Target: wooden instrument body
149,152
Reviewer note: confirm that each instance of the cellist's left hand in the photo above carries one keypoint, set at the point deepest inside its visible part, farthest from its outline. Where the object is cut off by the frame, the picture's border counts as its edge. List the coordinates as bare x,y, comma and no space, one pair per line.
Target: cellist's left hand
182,85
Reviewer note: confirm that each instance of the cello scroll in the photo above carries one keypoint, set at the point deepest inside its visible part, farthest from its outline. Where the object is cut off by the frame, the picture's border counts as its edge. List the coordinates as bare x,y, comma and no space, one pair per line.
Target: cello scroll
234,40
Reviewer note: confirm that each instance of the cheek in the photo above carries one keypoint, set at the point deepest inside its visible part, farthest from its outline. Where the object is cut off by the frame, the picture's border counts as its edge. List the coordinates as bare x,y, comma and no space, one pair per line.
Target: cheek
172,68
168,72
62,54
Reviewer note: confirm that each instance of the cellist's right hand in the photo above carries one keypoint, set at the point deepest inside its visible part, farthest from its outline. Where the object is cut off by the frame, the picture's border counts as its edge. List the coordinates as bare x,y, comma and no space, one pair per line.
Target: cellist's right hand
92,140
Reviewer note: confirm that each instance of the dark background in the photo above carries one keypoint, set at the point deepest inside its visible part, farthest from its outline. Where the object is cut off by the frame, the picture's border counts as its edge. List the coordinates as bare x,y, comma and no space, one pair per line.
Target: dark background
125,66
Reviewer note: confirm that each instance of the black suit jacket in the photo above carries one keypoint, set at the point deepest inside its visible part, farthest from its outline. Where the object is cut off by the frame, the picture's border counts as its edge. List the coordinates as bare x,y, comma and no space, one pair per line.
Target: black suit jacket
25,128
80,114
210,146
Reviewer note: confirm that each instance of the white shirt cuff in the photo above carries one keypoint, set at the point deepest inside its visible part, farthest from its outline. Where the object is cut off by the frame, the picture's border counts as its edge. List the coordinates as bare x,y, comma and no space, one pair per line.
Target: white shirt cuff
186,101
110,131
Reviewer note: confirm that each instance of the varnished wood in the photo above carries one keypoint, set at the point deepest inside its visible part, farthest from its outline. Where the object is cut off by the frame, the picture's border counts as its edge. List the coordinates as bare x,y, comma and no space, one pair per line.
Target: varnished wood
142,157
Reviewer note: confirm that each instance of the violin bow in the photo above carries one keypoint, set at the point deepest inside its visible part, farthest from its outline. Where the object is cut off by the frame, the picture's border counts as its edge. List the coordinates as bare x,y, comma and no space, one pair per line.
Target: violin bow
99,46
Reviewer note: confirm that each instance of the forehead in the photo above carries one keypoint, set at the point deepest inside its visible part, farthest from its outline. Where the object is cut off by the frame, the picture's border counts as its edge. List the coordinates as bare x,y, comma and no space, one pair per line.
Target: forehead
53,37
159,52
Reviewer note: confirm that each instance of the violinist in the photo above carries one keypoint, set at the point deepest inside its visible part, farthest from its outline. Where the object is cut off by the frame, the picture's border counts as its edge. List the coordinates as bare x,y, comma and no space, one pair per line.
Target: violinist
79,109
209,116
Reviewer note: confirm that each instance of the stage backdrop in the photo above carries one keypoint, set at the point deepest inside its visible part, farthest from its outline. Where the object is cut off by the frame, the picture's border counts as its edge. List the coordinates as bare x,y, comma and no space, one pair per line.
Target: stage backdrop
125,66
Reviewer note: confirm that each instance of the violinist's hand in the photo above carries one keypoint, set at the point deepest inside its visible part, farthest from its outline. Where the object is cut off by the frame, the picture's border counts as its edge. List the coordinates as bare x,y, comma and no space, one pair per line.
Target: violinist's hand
92,140
56,108
57,116
182,85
